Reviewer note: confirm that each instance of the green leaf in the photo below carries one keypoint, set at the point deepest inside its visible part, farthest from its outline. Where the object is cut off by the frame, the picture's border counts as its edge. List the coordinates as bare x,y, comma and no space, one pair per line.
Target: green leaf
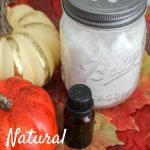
145,76
104,135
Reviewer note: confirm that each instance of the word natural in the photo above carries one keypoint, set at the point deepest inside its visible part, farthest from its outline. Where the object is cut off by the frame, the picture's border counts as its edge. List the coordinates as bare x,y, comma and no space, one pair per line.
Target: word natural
32,138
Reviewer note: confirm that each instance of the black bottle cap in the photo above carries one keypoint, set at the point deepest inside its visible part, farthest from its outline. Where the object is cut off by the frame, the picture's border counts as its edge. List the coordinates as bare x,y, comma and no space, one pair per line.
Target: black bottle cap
80,101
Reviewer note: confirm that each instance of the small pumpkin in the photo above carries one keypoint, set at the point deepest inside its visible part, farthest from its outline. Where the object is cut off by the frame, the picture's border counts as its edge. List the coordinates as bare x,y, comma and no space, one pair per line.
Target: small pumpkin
29,44
25,106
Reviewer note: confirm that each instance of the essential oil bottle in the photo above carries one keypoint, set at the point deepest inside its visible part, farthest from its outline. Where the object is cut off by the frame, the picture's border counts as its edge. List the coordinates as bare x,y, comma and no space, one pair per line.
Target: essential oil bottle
79,117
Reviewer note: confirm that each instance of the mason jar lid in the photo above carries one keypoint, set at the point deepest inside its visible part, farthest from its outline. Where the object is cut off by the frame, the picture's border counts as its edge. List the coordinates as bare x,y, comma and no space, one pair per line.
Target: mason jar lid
105,14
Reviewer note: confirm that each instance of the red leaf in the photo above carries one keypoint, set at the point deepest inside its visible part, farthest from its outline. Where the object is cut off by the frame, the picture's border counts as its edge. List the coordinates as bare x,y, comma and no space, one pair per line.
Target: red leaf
125,123
104,135
137,140
121,115
58,93
148,31
56,5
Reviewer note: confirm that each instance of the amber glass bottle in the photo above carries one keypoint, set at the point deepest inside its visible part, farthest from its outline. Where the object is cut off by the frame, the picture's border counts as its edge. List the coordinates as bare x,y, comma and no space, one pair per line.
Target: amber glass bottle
79,117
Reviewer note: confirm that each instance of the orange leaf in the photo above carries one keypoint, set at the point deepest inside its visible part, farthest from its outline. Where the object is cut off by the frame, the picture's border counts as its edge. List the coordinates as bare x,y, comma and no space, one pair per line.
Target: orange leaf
104,135
121,115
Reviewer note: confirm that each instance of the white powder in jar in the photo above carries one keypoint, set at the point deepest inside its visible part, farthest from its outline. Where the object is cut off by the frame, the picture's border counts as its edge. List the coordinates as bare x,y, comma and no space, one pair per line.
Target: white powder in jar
108,61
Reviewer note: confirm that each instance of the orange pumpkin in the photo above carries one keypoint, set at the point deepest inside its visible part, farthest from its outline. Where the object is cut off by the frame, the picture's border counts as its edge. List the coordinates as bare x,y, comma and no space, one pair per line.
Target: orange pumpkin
27,107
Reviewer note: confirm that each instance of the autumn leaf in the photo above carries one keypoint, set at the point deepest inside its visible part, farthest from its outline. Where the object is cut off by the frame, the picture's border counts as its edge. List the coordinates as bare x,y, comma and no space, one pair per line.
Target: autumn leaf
145,75
148,30
104,135
137,140
146,90
23,1
56,89
121,115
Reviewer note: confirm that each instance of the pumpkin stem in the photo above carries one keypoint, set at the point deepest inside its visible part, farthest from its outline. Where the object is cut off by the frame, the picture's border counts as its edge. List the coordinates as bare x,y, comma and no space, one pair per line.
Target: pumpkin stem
5,103
5,27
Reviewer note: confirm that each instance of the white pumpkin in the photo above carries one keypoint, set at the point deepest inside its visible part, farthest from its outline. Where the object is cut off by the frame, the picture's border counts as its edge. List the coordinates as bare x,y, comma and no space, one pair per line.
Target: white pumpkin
29,44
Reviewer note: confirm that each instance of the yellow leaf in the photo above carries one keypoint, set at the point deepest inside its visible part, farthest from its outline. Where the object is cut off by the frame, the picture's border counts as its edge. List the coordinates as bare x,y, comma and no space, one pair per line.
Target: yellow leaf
145,75
104,135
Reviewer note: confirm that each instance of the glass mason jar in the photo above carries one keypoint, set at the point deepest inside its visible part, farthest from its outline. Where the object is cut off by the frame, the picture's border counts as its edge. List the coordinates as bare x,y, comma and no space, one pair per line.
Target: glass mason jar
102,47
